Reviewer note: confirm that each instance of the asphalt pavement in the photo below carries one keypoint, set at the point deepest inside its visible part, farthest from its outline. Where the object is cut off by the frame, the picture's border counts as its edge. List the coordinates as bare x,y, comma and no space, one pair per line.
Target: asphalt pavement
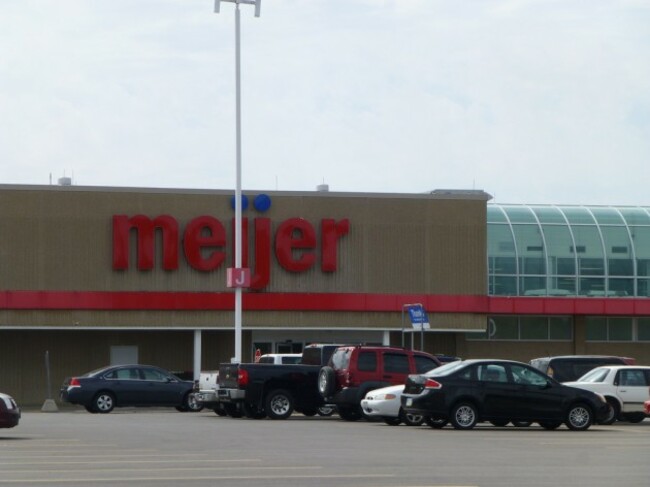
160,447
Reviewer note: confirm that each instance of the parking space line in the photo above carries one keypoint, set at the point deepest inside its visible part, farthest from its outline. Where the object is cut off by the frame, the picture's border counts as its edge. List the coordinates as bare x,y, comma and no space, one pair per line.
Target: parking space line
119,462
186,478
172,469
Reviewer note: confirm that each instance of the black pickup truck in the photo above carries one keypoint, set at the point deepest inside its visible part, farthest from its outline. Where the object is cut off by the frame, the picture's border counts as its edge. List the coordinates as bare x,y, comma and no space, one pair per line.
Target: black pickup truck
259,390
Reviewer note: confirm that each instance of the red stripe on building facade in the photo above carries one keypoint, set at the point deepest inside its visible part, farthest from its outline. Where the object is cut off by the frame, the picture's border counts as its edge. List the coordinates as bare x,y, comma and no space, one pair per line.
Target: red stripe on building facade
329,302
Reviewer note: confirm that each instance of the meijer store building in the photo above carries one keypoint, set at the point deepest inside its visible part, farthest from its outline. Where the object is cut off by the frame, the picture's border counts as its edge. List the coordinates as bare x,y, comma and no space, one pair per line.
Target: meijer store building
93,276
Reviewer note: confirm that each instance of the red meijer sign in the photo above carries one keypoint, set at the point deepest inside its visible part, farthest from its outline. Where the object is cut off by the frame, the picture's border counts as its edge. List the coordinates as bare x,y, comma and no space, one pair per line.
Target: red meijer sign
204,241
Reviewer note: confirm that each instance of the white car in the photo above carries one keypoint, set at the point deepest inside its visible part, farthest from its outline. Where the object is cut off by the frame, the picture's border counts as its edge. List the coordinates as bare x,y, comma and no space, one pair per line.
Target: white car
386,404
624,386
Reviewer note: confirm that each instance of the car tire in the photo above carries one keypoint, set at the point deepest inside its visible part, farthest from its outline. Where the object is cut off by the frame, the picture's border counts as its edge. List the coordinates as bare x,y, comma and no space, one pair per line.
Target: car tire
309,412
253,412
103,402
220,411
279,404
464,416
326,410
326,380
614,411
91,409
410,419
232,410
191,404
391,421
579,417
521,424
349,413
436,423
550,425
634,417
500,423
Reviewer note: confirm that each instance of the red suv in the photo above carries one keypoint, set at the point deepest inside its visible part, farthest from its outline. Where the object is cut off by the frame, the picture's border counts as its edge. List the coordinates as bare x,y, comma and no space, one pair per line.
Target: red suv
354,370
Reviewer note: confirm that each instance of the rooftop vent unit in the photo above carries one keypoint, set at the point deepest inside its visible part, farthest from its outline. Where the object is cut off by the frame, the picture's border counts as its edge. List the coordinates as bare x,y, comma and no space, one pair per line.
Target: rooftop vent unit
65,181
323,188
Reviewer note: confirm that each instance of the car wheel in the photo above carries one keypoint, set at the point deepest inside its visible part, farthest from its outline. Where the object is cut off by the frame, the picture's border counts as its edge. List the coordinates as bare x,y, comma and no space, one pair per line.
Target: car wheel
436,423
103,402
191,404
614,411
326,379
522,424
634,417
499,422
391,421
253,412
550,425
91,409
232,410
326,410
464,416
220,411
349,414
279,404
579,417
309,412
411,419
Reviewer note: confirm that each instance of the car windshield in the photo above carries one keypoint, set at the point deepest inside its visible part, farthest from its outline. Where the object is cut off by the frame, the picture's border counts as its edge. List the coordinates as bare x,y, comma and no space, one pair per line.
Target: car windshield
596,375
445,369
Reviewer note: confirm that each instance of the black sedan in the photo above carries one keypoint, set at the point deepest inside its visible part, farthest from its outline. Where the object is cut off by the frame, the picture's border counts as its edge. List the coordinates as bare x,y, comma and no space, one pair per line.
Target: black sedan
103,389
499,391
9,411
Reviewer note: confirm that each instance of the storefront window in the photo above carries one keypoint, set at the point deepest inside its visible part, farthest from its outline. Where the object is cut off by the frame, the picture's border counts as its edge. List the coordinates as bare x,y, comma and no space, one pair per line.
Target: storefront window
557,328
643,329
560,328
505,328
533,328
596,329
616,329
619,329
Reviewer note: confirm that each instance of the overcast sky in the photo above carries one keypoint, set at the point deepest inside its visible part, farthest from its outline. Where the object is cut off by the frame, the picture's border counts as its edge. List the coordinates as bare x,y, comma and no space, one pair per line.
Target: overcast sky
533,101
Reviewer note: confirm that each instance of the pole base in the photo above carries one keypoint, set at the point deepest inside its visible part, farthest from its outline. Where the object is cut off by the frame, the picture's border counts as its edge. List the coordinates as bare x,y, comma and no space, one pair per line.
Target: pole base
49,406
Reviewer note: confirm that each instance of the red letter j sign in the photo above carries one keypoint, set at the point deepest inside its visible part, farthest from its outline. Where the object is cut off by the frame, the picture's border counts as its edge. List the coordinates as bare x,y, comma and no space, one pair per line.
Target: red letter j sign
238,277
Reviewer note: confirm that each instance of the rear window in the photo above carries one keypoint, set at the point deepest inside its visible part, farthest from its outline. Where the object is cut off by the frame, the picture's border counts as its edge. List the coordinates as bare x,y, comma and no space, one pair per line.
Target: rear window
446,369
290,360
572,368
596,375
311,356
424,364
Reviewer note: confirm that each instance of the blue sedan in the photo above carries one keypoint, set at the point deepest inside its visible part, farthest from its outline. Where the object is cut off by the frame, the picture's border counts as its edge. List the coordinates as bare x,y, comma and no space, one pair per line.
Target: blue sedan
103,389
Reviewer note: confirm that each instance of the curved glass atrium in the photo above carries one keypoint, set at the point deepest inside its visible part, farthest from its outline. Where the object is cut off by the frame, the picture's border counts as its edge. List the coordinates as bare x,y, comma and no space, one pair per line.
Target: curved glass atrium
548,250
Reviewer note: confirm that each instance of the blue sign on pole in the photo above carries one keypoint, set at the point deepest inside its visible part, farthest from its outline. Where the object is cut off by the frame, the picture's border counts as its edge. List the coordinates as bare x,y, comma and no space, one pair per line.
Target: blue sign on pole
418,316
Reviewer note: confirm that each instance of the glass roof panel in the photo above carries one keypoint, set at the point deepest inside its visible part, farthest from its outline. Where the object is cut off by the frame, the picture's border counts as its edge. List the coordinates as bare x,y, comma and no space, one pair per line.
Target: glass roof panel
607,216
548,214
635,216
495,215
577,215
520,214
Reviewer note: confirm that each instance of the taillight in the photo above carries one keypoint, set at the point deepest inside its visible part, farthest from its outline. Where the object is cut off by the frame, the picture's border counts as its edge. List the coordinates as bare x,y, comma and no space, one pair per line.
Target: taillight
74,382
242,378
432,384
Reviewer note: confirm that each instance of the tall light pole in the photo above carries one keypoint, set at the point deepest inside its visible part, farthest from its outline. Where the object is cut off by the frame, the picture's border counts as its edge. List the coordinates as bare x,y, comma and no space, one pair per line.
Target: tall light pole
238,277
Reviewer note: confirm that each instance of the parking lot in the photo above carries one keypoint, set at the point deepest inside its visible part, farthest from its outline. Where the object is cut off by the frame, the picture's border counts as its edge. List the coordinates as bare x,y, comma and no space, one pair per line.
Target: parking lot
162,447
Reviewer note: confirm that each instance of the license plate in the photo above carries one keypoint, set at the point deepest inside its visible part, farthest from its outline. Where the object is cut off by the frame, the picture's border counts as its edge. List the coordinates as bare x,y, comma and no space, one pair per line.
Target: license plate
409,401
